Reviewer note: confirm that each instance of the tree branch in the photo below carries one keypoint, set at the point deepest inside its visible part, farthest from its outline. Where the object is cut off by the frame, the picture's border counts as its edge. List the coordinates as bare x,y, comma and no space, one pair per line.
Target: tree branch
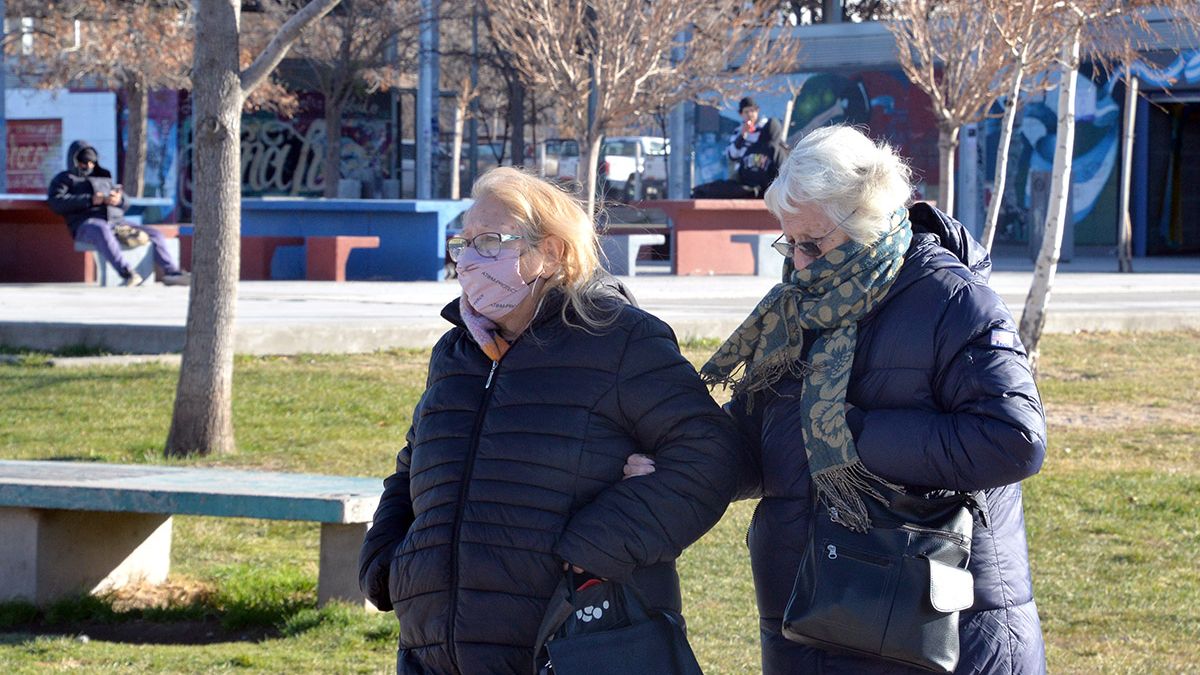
274,52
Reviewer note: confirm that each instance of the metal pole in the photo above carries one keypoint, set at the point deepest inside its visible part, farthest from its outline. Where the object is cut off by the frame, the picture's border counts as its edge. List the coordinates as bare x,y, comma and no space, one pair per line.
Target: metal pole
3,110
679,175
426,84
638,167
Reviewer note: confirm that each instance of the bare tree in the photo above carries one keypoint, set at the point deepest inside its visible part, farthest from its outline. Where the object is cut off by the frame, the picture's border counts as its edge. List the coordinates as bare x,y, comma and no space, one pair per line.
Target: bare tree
605,60
1112,31
134,46
202,422
355,50
1028,35
948,50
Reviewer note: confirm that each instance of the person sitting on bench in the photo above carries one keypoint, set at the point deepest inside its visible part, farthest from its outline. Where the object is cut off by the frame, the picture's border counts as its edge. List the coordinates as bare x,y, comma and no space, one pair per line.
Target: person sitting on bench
759,148
94,207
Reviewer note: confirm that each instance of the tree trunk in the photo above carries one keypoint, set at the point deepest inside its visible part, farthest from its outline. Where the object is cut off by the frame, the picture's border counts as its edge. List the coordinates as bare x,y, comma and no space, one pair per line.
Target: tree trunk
947,146
516,121
593,166
787,118
1033,318
456,154
333,144
137,97
998,183
202,422
1125,231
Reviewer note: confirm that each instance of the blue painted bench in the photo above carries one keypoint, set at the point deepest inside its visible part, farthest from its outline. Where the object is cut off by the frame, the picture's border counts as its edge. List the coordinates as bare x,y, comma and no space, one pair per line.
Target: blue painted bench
70,527
411,232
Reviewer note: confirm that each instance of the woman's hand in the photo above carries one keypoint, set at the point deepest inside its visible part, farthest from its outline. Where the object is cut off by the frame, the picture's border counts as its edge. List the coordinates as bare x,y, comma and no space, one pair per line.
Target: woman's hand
638,465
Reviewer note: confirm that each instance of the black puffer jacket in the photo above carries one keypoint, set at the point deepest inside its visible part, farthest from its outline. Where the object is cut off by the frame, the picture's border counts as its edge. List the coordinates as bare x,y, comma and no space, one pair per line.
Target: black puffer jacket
512,468
944,400
70,193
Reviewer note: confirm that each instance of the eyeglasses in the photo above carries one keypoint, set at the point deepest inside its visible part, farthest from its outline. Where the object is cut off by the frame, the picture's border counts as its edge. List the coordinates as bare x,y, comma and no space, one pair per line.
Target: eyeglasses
487,244
809,247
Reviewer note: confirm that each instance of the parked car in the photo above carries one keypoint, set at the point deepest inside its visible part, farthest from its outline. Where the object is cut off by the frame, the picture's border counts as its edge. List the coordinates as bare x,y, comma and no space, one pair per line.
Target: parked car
619,164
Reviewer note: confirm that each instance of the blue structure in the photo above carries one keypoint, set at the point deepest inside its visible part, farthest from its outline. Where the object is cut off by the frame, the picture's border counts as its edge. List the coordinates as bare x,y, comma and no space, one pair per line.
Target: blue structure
412,233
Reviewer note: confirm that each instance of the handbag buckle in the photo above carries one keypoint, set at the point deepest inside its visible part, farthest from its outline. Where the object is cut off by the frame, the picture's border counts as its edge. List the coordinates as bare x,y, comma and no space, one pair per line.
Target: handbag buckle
832,551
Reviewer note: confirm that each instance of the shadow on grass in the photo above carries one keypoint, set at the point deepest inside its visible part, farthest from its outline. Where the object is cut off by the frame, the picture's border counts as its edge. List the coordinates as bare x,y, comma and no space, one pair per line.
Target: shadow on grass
238,606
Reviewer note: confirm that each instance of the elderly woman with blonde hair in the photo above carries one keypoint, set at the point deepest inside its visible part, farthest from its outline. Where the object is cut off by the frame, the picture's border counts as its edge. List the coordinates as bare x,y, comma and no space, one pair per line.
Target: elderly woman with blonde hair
512,467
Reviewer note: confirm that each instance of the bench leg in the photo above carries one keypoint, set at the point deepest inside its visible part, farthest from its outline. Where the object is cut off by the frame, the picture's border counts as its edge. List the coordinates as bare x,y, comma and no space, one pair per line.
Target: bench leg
51,553
338,575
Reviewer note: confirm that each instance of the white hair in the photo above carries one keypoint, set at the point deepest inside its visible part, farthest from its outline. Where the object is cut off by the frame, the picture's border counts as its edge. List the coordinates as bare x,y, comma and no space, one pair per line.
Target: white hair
848,176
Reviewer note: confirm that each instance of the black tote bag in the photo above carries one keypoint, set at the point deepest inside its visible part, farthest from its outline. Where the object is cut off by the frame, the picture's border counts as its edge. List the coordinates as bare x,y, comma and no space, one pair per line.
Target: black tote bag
892,593
607,628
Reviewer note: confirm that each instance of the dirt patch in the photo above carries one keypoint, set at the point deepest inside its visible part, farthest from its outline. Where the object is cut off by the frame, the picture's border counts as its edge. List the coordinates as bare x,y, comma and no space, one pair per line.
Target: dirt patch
1109,416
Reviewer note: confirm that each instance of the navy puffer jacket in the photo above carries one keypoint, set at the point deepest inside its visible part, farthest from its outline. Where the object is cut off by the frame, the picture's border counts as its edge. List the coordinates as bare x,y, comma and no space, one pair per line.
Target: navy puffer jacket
944,399
514,467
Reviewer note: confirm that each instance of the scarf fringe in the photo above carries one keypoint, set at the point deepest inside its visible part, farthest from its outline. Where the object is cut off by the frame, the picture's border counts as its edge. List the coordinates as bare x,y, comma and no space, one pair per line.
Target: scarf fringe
843,487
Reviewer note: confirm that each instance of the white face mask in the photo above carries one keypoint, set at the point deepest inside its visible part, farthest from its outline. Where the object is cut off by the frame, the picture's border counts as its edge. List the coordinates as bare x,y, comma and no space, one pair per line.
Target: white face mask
493,286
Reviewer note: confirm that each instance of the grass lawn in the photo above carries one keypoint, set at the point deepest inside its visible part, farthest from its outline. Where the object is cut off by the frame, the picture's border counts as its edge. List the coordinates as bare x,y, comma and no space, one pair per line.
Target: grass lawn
1114,517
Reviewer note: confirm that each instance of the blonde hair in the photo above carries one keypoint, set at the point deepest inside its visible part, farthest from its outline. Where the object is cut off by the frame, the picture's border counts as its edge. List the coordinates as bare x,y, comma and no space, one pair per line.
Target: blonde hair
543,210
848,176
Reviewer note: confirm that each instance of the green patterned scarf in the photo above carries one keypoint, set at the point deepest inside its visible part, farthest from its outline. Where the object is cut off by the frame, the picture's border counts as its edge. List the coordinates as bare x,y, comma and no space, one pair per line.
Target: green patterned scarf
830,295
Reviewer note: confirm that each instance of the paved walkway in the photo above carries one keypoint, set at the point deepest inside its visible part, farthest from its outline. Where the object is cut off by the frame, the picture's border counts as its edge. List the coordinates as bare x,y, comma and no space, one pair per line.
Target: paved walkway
285,317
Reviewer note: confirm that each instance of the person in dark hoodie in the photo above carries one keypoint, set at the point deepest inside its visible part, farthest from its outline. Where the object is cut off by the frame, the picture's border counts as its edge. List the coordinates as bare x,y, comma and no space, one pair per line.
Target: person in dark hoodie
93,205
512,467
758,148
883,357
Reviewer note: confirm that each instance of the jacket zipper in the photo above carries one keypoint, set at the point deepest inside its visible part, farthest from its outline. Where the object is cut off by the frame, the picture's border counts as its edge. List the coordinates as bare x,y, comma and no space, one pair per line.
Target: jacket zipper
458,512
951,536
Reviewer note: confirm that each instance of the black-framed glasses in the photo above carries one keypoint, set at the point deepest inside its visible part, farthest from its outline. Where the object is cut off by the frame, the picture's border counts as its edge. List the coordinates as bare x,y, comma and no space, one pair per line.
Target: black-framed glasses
809,247
487,244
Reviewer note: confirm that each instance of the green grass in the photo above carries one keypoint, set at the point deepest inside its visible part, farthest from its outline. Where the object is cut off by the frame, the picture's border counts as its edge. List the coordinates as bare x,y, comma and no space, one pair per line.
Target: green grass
1113,519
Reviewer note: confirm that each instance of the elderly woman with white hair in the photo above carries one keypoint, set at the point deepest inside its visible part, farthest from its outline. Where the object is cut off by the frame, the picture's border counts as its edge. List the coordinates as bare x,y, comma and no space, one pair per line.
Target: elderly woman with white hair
883,358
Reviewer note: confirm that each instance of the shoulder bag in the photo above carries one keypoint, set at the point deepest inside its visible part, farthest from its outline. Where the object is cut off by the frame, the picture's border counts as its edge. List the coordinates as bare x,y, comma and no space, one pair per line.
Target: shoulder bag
893,592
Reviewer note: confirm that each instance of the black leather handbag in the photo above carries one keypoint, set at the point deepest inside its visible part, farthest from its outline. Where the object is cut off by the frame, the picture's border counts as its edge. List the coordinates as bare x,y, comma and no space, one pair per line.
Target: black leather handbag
607,628
894,592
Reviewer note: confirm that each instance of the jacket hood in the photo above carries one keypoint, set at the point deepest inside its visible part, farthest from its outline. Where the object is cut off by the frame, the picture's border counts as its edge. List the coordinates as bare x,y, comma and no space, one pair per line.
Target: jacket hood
603,289
75,147
952,236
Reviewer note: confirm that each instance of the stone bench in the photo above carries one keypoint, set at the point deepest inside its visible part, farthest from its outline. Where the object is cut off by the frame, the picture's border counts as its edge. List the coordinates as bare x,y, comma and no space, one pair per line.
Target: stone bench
621,251
71,527
315,258
141,258
767,261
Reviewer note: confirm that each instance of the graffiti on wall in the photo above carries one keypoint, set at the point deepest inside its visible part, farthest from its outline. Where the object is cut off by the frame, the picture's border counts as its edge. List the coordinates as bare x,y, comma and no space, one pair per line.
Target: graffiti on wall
285,156
880,101
34,152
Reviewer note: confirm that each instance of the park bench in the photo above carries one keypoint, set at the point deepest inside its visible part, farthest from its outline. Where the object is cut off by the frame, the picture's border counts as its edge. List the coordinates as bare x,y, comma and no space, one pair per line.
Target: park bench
708,235
322,258
71,527
621,250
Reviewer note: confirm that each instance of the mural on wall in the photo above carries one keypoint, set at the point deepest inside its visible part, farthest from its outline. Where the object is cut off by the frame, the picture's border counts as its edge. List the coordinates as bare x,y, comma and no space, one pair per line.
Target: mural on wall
285,156
881,101
34,154
162,144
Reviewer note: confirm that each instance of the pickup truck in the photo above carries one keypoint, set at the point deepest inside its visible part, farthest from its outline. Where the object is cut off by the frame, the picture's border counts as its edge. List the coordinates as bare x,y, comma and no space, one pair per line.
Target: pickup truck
618,164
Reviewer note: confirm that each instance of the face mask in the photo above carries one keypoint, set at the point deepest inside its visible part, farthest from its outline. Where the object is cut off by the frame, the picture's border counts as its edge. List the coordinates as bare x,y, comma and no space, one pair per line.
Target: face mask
493,286
84,170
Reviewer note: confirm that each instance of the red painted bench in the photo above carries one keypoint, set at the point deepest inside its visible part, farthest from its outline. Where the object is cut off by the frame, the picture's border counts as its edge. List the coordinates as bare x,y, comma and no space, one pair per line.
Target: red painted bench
325,257
708,235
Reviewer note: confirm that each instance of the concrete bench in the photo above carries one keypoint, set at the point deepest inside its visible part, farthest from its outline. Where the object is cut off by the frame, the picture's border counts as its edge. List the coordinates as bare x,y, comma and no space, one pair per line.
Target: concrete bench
325,257
71,527
767,261
702,232
316,258
621,251
141,258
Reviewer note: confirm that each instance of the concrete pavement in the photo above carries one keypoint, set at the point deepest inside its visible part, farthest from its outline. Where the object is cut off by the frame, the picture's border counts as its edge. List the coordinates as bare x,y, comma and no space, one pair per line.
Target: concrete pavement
287,317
